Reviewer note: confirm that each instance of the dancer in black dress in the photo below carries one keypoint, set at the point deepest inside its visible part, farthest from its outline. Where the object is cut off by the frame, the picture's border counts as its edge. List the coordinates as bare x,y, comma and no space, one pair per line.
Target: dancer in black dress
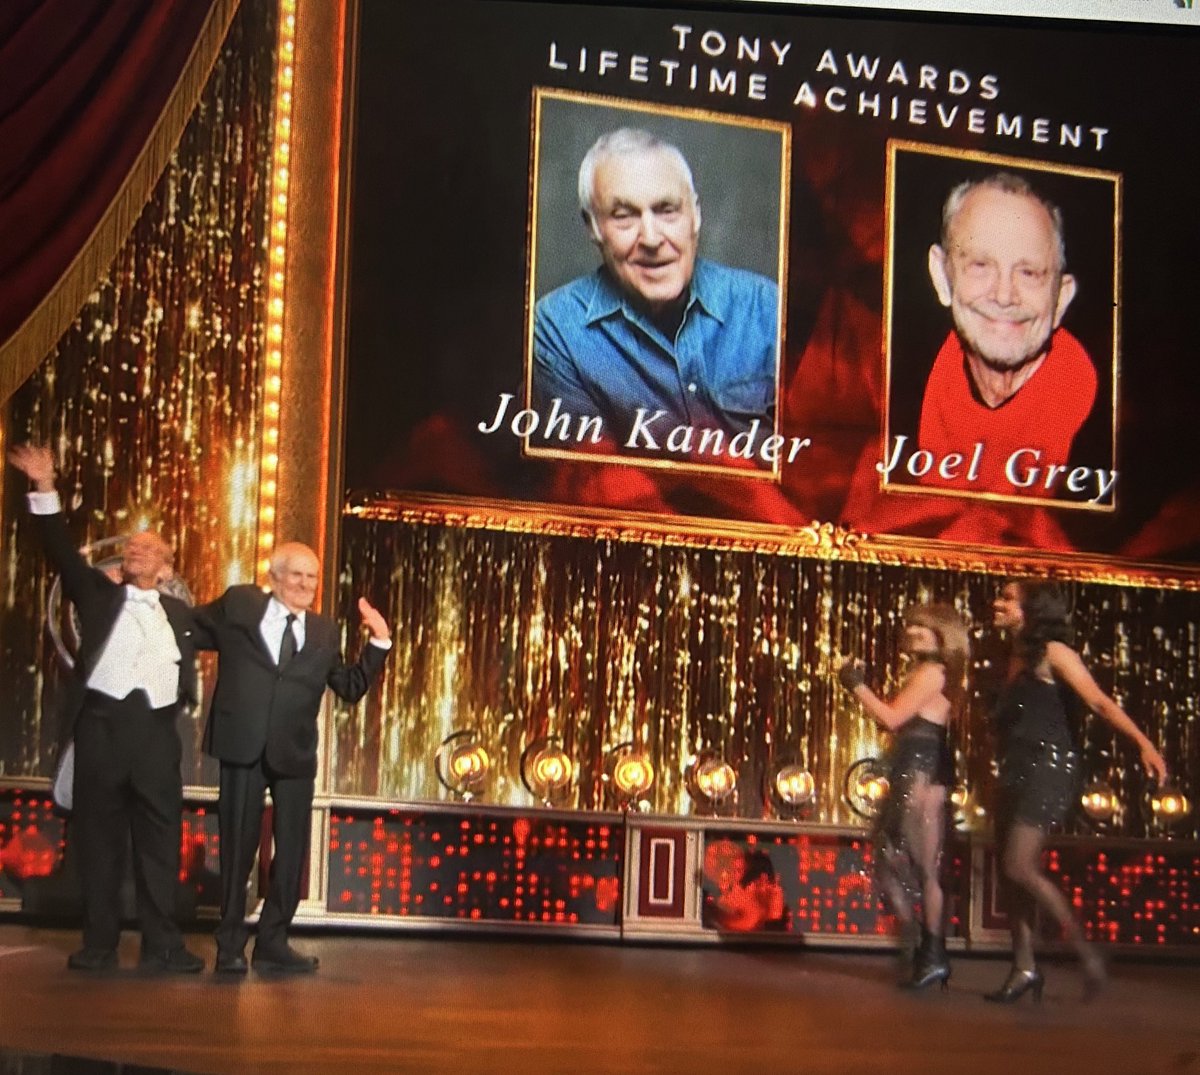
1039,766
911,827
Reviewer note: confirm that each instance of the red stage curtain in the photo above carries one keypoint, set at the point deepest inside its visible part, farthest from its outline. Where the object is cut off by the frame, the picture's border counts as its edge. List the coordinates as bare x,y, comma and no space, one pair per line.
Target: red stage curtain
94,95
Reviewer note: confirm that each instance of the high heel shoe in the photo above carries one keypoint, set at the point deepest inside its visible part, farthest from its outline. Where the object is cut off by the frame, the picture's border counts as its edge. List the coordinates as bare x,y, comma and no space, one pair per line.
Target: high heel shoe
1016,985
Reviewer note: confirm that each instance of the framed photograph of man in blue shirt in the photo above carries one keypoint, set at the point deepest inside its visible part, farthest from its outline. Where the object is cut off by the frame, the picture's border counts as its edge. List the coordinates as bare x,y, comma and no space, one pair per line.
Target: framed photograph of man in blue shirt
656,268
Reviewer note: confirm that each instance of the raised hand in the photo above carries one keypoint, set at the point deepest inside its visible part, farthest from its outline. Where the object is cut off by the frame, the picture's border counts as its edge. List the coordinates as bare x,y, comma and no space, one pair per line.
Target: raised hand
36,462
373,620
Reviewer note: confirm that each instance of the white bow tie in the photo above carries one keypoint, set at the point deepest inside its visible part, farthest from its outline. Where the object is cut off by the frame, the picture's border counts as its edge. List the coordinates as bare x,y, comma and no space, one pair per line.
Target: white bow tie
144,597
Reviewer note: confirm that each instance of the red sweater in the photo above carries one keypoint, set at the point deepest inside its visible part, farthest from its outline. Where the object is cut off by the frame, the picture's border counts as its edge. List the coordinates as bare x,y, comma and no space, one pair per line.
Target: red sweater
1044,415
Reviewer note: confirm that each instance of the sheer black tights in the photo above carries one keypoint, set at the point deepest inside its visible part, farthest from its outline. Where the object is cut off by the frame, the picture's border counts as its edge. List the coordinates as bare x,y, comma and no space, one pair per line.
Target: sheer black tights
1029,888
914,861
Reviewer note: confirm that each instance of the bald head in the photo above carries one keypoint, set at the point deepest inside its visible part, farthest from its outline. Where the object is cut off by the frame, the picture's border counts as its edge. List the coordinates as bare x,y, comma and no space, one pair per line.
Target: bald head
294,575
146,559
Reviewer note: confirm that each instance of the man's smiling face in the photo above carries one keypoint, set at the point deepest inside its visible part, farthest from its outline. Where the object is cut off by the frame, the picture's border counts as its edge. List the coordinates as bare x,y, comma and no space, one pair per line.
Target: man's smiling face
647,224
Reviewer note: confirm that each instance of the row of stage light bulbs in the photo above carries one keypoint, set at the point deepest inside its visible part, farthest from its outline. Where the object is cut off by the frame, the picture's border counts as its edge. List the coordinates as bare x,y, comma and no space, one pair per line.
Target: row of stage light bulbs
462,764
548,772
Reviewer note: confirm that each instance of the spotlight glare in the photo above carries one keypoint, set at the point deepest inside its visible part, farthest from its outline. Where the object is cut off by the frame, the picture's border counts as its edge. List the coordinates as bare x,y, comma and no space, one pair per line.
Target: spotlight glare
865,787
709,778
629,773
462,763
795,785
1170,805
874,789
1100,802
546,770
633,775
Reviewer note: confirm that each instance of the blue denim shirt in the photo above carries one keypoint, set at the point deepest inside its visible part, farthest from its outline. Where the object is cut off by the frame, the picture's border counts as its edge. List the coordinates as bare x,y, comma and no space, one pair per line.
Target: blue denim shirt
600,356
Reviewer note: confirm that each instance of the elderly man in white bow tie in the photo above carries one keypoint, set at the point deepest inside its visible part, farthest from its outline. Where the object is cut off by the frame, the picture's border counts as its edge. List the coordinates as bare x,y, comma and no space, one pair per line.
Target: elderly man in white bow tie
134,670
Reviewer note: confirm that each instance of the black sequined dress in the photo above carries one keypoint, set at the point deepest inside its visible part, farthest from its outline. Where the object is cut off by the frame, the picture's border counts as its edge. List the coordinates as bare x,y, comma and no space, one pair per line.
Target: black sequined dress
920,749
1039,766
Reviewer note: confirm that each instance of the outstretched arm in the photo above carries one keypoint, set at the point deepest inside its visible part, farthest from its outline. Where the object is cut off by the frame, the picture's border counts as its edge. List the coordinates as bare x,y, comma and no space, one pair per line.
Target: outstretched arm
921,687
206,620
1069,667
36,462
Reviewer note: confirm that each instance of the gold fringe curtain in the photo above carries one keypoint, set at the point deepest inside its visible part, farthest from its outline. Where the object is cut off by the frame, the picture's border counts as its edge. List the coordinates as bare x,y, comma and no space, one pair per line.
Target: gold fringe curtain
152,397
41,330
682,649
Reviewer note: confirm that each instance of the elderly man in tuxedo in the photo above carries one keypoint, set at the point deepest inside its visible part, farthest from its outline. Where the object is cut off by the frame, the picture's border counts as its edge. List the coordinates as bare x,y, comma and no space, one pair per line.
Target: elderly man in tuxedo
134,670
277,657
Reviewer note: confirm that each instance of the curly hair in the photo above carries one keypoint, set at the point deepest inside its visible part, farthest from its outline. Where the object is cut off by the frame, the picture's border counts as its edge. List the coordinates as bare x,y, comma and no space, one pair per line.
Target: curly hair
1047,614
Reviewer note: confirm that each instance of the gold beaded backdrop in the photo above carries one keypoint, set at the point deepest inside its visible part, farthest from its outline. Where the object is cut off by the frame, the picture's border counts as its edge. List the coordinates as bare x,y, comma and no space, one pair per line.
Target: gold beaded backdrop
151,399
680,649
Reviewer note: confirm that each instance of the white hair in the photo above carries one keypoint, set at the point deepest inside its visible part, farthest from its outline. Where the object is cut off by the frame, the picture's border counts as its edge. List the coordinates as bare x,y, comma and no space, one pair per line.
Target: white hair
282,555
625,141
1006,183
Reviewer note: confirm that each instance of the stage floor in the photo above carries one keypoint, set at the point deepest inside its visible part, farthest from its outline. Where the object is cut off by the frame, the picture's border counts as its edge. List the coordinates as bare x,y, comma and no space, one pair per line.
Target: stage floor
434,1004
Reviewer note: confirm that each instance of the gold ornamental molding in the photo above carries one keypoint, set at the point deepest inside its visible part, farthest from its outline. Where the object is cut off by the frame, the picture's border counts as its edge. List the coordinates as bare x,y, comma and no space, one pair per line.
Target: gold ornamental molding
817,540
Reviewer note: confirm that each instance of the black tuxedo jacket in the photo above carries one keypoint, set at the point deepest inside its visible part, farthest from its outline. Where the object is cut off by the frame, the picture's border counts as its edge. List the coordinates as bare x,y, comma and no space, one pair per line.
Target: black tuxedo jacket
258,710
98,601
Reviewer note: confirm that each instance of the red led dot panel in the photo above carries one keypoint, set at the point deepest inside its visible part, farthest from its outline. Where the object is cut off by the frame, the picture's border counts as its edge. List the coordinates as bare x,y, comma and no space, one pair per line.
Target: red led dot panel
1144,894
807,883
31,839
500,868
199,851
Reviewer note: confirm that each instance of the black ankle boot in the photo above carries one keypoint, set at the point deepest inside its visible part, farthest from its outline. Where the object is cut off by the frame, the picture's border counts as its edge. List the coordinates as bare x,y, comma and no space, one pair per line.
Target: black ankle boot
1016,985
930,964
909,937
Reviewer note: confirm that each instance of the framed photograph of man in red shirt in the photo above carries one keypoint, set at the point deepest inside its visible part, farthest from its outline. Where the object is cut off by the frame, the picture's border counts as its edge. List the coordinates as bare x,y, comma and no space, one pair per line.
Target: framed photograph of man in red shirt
1002,335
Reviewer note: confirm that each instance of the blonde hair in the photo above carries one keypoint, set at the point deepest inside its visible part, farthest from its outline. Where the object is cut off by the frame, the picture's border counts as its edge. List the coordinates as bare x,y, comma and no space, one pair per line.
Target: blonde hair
954,644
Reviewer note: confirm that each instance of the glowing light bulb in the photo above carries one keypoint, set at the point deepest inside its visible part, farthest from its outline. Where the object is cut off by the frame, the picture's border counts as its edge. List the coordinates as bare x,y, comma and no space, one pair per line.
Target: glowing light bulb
1100,802
795,785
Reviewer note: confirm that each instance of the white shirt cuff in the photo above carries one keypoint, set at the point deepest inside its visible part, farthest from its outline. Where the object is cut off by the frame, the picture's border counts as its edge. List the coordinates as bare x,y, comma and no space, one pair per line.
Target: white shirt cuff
44,503
382,643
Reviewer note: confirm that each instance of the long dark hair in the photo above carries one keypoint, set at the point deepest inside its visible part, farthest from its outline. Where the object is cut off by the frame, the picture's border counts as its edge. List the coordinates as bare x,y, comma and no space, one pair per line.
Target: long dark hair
1047,615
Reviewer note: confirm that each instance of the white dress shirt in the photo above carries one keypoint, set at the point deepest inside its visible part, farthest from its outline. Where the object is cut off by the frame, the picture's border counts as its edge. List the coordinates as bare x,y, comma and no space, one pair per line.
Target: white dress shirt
141,652
274,623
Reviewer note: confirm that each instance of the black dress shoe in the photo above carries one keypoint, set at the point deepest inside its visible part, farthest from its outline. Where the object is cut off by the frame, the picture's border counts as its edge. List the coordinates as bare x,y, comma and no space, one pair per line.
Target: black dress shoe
231,963
93,959
171,961
285,960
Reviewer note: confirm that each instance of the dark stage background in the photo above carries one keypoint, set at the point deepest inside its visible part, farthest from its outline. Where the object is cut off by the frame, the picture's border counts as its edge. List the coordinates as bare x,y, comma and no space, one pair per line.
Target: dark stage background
439,251
597,638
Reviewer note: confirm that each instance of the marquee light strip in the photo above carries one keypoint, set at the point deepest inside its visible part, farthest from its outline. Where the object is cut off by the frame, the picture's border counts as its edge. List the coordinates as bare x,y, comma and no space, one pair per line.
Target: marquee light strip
273,380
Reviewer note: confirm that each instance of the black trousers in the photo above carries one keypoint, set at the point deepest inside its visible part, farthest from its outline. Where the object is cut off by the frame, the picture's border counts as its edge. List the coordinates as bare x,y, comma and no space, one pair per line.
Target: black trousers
239,818
127,784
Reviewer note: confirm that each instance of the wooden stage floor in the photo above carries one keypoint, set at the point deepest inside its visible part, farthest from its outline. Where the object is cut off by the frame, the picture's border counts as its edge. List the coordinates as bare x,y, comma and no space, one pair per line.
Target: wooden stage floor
432,1004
